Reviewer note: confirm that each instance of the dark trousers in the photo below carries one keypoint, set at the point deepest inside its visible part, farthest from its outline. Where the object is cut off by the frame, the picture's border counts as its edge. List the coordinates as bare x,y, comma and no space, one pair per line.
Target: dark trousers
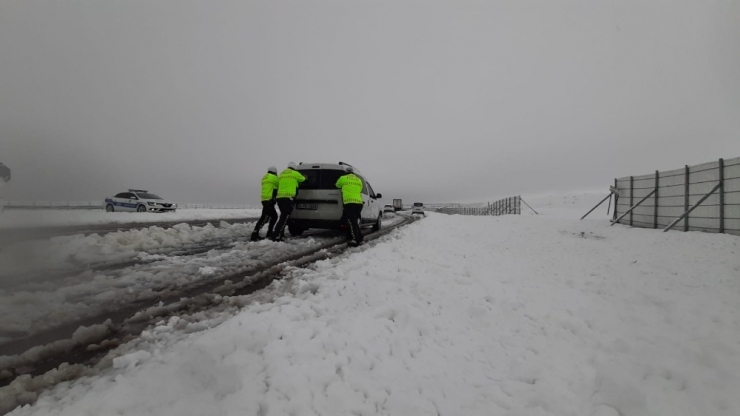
286,208
352,214
268,212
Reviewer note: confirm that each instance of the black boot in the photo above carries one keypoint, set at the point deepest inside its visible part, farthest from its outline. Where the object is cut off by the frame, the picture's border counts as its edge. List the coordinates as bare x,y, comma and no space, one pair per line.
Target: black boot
255,237
269,234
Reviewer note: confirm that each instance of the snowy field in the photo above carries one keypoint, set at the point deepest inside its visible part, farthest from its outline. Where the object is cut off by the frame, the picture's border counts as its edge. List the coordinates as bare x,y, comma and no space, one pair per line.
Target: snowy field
453,315
61,218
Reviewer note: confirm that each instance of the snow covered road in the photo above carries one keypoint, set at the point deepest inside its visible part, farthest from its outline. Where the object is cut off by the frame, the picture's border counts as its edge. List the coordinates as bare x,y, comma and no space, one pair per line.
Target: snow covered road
46,284
515,315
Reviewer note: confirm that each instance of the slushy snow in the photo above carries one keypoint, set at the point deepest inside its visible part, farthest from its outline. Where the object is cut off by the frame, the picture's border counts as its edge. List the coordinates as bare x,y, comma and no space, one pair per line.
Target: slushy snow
454,315
61,218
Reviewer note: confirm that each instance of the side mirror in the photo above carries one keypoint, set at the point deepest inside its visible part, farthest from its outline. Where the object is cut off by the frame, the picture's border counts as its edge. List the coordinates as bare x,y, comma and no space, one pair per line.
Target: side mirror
378,196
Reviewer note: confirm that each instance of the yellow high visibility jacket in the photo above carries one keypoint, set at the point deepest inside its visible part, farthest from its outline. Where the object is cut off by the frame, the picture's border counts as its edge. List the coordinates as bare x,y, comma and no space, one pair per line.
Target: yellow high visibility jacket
288,183
351,186
269,186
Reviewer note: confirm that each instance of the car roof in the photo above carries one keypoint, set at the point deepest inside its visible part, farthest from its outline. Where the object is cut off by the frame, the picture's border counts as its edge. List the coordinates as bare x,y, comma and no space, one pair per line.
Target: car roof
331,166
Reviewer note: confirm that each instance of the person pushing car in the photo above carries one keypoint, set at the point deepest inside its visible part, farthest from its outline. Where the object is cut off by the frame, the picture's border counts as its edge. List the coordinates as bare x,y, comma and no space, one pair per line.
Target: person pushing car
270,184
351,186
287,187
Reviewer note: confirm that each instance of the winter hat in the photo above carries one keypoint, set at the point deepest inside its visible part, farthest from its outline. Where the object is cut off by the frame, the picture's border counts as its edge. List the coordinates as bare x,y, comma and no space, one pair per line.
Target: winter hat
272,169
291,165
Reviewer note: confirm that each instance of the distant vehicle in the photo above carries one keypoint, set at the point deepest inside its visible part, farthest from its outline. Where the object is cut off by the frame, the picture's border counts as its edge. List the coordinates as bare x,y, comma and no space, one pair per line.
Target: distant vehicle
4,173
318,203
418,208
138,200
397,205
388,208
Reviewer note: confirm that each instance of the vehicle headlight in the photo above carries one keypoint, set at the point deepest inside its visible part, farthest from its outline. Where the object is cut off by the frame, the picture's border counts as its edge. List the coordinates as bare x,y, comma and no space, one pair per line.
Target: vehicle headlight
152,203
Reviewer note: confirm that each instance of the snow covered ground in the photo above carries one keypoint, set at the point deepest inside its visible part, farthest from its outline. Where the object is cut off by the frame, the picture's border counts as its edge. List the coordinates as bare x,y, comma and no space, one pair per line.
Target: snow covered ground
60,218
453,315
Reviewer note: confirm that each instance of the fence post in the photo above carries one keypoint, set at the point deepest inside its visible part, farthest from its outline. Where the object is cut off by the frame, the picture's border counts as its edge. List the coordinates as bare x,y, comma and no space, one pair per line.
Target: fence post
616,198
655,209
686,199
632,190
721,196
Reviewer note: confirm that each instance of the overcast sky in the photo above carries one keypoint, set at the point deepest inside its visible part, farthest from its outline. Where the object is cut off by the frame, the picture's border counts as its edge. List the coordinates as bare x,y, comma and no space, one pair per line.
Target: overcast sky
433,100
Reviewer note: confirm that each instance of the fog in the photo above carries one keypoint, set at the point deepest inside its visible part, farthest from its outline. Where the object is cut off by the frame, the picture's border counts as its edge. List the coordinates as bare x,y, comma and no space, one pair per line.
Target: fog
438,101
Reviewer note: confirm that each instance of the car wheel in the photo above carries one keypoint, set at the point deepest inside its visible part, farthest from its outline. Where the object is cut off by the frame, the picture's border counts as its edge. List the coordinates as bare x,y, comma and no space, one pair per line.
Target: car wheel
295,230
141,208
109,208
378,223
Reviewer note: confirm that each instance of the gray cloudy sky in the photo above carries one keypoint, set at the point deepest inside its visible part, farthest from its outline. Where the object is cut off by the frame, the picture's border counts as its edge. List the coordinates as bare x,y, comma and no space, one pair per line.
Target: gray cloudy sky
434,100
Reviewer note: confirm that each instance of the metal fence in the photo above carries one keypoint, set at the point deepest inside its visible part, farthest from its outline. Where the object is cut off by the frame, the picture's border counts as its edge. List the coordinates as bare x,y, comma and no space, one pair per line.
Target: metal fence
510,205
704,197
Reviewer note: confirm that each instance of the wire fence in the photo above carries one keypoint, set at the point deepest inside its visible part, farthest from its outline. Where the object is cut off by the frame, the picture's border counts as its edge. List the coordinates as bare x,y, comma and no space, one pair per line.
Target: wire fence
703,197
505,206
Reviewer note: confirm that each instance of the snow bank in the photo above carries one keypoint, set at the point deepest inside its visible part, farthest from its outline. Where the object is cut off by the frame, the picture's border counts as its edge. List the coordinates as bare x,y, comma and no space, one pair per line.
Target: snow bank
60,218
35,300
67,252
515,315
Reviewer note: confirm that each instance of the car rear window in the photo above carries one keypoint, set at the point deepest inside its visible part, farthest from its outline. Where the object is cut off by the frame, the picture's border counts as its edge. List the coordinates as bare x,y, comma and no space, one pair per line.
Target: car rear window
320,178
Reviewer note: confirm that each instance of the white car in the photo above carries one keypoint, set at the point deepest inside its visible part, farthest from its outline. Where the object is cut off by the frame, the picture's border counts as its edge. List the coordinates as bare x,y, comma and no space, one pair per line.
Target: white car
318,203
389,209
138,200
418,209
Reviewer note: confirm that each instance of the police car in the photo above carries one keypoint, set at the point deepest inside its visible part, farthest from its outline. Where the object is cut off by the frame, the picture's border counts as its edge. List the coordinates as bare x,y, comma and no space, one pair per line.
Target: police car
138,200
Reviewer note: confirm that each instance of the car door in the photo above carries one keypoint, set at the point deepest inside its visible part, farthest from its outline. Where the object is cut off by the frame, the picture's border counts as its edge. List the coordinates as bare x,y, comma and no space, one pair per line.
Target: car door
119,201
365,201
130,202
373,210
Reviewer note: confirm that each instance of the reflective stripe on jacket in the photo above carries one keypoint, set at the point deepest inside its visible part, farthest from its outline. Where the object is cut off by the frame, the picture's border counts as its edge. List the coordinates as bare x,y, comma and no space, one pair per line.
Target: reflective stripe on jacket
351,186
269,186
288,184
